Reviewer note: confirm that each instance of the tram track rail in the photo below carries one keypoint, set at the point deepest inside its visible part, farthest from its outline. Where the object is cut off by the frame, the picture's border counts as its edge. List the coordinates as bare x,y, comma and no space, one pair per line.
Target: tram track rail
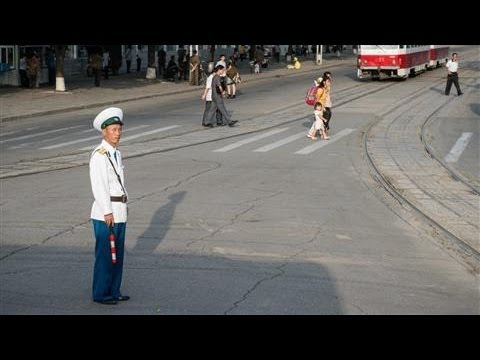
457,238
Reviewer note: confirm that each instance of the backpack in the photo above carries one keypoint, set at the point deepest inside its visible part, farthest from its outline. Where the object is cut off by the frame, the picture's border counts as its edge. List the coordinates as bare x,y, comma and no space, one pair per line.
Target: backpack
311,95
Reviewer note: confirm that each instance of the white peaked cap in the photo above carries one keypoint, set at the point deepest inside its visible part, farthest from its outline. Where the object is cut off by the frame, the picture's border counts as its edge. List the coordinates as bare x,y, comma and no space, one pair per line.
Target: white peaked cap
112,115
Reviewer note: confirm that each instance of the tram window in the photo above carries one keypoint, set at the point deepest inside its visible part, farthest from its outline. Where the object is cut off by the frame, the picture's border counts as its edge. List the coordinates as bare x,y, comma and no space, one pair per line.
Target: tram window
385,47
402,46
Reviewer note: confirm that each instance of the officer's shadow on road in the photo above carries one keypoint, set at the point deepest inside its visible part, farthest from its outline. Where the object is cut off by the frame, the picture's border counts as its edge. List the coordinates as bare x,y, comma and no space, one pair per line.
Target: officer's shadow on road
159,225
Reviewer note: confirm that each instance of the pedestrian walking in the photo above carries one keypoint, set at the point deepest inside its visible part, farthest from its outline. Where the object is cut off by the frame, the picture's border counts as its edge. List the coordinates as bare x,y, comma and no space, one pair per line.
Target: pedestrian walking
328,101
162,60
106,63
109,209
128,58
217,99
22,68
33,67
452,68
96,66
51,62
318,124
139,62
207,97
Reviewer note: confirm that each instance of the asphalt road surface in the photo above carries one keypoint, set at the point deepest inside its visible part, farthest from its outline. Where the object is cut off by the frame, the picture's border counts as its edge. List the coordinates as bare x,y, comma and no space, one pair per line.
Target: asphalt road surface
255,219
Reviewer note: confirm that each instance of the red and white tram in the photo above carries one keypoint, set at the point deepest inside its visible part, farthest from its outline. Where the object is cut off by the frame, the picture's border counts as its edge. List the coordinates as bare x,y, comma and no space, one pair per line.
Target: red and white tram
398,60
438,55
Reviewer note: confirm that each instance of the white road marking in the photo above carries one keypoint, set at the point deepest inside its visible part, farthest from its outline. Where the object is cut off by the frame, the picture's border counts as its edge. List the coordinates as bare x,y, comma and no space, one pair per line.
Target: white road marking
459,147
141,134
321,143
281,142
85,139
149,132
40,134
249,140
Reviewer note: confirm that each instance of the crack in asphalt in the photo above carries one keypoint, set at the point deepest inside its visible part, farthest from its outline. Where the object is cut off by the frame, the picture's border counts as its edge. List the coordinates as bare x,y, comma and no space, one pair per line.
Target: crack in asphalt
61,232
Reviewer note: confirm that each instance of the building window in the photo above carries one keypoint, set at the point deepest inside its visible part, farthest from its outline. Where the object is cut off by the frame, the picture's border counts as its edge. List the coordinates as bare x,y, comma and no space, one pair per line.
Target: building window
6,56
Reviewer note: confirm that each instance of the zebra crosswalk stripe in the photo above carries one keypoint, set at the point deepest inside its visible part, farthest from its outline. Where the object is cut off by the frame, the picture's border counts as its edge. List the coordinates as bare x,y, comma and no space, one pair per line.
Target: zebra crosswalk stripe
250,139
281,142
321,143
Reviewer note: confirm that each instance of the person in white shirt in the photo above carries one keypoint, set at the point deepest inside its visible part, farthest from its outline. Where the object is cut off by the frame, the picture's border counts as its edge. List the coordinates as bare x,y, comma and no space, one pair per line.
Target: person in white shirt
106,63
452,68
109,210
23,71
128,58
207,96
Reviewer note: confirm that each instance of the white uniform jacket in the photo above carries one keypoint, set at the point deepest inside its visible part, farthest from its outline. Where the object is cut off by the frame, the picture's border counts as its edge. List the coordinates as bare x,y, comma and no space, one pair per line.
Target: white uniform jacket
105,183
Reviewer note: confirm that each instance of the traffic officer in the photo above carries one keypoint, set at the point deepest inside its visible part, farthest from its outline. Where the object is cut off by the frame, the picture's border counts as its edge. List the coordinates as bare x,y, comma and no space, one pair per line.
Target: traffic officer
109,210
452,67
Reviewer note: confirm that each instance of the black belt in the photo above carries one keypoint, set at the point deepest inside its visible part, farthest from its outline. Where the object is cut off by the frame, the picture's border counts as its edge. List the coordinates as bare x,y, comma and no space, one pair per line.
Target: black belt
122,199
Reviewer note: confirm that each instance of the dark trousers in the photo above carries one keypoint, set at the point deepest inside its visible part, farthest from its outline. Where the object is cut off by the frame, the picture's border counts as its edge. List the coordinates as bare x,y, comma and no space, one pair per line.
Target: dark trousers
23,78
51,75
139,64
327,114
161,69
452,78
206,120
96,74
218,104
129,64
107,276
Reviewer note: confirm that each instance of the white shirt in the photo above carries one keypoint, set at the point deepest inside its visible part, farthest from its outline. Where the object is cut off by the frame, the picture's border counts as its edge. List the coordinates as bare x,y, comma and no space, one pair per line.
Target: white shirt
23,64
222,62
128,55
208,97
452,66
328,101
105,184
318,119
106,57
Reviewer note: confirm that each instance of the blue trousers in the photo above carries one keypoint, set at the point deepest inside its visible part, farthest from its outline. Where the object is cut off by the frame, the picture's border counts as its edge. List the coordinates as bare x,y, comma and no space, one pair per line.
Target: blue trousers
107,276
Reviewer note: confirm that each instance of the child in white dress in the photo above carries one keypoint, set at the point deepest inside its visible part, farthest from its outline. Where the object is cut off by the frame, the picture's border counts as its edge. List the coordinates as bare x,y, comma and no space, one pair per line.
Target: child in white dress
318,124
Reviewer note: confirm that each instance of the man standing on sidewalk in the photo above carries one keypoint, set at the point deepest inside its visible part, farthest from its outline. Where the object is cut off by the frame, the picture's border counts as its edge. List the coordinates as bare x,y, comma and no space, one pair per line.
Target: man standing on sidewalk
128,58
109,210
96,65
194,68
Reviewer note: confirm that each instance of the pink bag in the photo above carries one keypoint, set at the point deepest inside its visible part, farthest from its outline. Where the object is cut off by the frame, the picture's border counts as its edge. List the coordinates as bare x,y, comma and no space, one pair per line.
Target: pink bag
311,95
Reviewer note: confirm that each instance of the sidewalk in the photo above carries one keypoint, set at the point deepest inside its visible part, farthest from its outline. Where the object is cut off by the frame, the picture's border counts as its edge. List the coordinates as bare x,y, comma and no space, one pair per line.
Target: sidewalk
16,103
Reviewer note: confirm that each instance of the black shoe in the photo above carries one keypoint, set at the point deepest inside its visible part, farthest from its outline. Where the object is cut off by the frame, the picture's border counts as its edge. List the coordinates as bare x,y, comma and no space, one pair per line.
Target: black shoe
123,298
107,302
460,94
232,123
447,94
